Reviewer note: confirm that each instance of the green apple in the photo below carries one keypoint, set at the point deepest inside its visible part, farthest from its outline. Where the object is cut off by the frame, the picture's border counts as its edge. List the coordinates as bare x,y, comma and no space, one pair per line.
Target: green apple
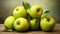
35,11
21,24
8,23
19,11
34,24
47,23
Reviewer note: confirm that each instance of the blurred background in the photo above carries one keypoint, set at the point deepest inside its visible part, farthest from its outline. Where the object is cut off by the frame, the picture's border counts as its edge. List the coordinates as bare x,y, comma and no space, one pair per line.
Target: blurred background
7,7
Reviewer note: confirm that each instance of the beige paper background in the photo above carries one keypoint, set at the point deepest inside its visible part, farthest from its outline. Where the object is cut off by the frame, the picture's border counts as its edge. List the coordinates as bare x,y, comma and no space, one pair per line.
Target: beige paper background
7,7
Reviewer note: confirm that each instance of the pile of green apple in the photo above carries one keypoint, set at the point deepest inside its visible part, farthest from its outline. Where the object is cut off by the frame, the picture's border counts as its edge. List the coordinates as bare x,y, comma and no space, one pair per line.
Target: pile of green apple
28,17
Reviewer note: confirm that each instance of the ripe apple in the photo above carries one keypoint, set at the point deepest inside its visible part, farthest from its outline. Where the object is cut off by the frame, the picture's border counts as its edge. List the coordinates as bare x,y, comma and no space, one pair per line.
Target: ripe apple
21,24
35,11
19,11
47,23
34,24
8,23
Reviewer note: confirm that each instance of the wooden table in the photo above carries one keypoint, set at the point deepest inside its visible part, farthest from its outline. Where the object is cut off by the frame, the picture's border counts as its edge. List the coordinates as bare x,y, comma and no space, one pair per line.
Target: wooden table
55,31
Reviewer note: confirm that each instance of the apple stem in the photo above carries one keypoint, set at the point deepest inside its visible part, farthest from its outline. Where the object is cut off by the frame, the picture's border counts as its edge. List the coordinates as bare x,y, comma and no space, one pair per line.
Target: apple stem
18,23
38,9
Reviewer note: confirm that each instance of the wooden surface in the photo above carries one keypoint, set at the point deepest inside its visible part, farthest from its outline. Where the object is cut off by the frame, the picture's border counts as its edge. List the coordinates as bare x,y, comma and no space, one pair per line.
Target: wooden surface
55,31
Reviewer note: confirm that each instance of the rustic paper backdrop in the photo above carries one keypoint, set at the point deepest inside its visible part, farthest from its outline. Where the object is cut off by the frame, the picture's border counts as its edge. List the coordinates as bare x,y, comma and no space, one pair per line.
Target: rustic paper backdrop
7,7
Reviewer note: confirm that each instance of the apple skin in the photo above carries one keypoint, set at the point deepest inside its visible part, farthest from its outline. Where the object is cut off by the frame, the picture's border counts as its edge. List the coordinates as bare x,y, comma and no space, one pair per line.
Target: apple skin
21,24
19,12
47,24
34,24
8,23
35,11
